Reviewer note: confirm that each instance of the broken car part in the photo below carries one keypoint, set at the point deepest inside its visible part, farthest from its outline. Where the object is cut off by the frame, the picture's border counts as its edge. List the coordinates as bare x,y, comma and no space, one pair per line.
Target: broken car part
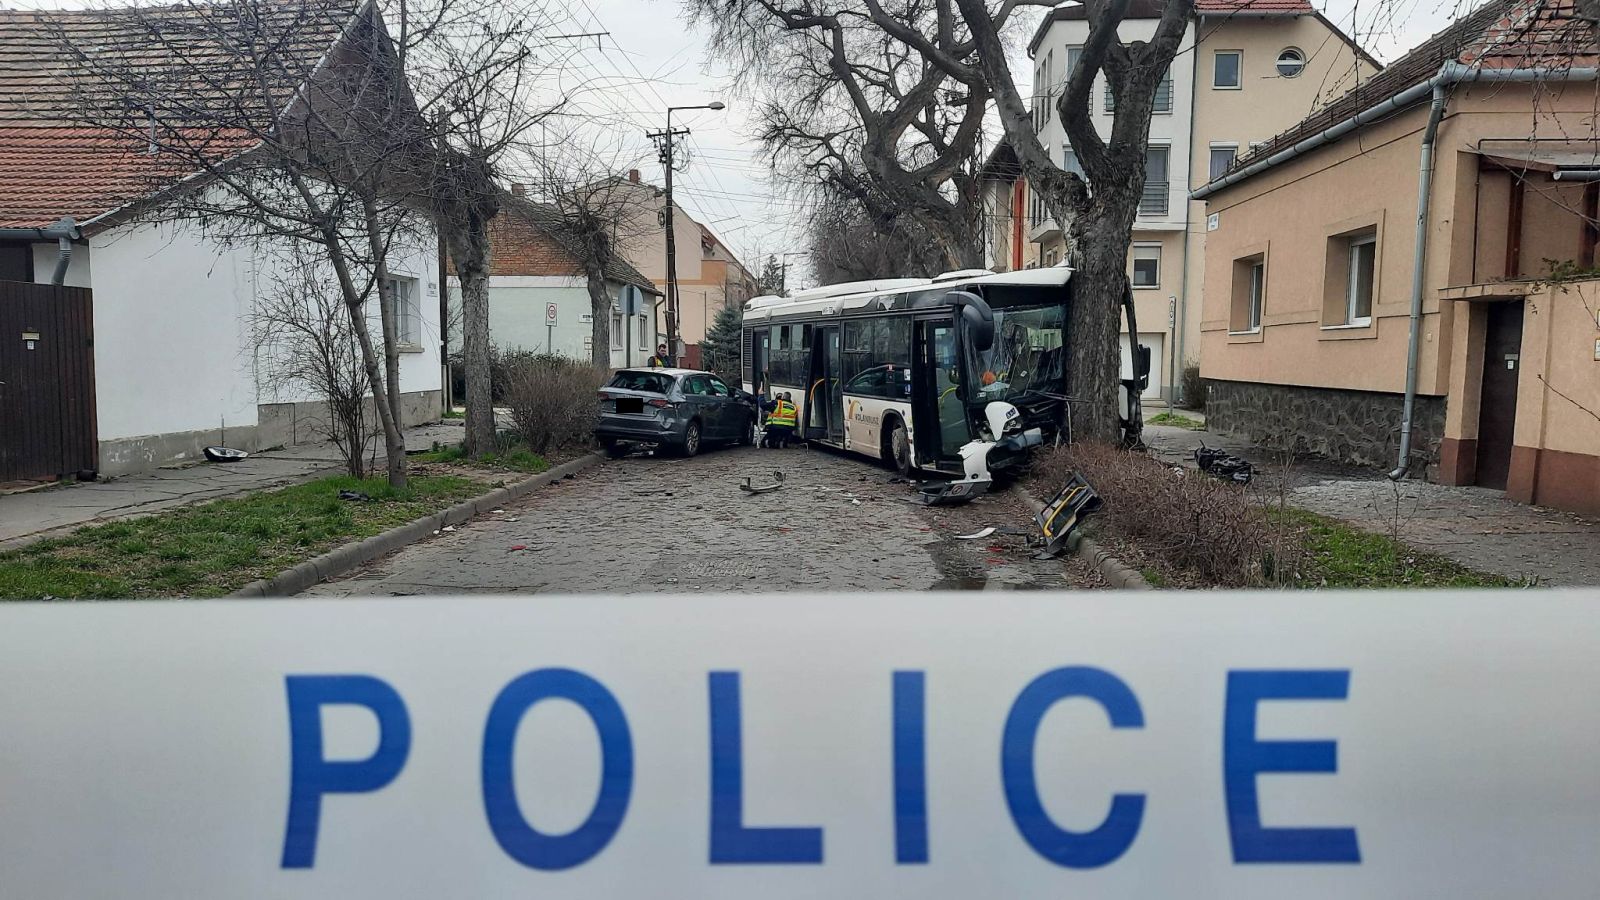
750,488
1065,511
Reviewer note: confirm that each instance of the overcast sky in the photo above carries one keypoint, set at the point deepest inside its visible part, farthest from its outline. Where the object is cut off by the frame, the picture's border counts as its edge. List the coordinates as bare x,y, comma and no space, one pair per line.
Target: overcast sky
655,60
622,83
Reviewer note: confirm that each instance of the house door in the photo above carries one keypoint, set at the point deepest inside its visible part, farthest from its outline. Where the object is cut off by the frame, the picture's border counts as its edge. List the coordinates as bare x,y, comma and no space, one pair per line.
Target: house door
1497,411
47,411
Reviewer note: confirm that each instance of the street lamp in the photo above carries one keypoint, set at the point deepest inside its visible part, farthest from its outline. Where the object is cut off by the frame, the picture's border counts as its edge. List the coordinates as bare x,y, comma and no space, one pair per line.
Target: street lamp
668,138
783,278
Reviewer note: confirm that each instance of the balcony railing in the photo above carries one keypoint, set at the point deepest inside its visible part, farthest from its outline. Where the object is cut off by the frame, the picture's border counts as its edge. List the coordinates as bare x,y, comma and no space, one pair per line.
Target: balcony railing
1154,201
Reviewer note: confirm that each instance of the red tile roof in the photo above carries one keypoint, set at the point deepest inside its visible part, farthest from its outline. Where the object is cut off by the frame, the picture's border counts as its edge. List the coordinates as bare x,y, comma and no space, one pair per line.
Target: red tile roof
1253,7
1498,34
66,143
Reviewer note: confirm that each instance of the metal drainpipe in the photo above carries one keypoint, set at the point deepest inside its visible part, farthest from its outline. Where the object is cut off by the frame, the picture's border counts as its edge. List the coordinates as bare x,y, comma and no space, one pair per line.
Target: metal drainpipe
63,259
1414,345
64,231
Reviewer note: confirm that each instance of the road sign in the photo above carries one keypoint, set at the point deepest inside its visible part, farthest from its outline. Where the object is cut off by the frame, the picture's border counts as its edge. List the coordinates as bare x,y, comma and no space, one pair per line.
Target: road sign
1241,746
550,314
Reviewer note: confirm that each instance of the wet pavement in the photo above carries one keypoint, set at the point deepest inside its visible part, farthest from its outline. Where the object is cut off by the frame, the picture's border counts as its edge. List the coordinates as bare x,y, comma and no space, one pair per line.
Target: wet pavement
642,524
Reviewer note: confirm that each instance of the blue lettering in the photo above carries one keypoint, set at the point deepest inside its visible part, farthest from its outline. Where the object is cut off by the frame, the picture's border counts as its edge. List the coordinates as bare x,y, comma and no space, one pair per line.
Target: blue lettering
731,840
311,775
910,769
517,838
1244,757
1114,835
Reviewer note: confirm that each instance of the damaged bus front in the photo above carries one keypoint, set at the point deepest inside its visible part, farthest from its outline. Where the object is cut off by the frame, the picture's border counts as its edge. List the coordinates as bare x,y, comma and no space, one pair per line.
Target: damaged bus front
960,374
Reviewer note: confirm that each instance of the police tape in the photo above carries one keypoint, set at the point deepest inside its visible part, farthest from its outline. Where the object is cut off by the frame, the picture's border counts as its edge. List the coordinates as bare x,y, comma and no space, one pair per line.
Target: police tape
1262,745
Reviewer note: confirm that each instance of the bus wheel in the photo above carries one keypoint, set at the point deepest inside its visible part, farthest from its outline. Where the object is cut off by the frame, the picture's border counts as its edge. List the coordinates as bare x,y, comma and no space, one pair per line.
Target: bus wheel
900,450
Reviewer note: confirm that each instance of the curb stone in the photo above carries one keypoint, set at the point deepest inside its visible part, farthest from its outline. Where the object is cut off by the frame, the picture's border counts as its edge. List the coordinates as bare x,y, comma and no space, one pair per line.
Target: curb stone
1116,573
343,558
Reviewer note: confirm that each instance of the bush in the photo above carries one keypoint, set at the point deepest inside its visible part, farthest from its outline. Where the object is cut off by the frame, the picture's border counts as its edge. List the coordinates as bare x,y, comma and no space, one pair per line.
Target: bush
552,400
1194,390
1190,521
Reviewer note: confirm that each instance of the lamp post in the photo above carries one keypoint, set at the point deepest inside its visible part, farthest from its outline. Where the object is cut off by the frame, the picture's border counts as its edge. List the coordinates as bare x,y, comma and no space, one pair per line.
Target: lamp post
783,268
666,141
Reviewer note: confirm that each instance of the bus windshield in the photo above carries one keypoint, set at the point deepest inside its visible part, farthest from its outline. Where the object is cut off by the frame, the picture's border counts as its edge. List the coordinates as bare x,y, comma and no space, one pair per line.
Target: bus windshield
1026,355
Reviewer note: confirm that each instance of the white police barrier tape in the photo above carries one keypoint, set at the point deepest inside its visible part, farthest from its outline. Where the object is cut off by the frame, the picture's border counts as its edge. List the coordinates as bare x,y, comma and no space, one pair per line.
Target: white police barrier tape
1418,745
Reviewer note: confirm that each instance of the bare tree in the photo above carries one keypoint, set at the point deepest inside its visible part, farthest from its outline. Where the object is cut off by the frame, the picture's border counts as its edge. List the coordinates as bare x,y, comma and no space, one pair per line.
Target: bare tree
309,346
255,129
860,110
849,243
473,70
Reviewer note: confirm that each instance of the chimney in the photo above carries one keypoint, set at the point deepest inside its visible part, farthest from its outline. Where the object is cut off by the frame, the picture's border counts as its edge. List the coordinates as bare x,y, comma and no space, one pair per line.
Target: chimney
519,190
633,175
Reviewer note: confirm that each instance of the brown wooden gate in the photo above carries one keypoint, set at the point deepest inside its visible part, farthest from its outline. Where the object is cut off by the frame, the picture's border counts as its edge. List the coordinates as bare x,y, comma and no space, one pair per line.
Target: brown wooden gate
47,412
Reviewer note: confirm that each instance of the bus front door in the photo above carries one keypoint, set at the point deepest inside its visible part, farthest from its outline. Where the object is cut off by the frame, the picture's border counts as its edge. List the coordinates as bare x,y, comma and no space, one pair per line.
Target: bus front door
939,401
824,406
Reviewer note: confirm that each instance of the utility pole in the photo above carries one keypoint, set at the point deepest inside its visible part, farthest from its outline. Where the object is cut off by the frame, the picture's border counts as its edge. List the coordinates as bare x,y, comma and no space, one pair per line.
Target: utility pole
665,142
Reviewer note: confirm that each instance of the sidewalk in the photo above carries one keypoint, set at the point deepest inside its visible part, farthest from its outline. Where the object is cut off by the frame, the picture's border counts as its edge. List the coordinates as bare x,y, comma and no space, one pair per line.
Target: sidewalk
1474,526
28,516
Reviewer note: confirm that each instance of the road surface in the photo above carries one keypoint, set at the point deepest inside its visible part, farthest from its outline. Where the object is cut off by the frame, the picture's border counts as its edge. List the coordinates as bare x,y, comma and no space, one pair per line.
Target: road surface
643,524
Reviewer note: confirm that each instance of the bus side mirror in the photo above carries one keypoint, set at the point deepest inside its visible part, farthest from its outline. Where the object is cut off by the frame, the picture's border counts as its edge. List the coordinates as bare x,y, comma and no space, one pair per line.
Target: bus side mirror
977,317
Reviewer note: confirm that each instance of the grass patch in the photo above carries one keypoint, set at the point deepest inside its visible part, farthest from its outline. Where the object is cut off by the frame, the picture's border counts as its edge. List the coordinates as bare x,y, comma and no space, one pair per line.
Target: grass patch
1176,421
1337,555
455,414
1152,577
214,548
516,458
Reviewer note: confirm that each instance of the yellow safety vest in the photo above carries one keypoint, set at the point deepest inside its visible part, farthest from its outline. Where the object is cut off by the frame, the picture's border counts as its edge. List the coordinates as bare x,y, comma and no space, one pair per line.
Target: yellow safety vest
783,415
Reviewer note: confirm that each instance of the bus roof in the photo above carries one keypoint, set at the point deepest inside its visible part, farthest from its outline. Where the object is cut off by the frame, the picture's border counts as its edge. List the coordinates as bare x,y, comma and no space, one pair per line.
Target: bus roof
836,298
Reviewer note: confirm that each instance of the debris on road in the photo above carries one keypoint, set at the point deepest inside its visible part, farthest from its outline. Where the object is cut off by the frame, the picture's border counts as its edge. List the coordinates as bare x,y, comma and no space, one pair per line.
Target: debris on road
977,534
1224,465
750,488
1065,512
515,547
949,493
353,495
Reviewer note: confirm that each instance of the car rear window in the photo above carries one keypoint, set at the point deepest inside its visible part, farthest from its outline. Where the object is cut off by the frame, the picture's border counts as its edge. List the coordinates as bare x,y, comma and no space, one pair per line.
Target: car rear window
642,381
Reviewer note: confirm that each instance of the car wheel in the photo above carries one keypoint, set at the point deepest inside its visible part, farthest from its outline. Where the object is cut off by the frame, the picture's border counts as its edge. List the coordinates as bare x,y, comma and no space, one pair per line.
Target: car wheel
900,450
615,449
747,435
691,440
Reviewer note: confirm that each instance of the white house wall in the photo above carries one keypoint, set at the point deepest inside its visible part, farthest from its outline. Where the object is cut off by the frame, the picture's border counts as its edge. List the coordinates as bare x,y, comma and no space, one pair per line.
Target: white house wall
517,308
175,365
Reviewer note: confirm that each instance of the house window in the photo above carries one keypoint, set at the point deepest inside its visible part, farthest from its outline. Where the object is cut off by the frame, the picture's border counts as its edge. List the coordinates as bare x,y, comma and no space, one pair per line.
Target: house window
1073,55
1070,163
1162,100
402,298
1050,83
1222,156
1226,69
1049,257
616,330
1156,186
1249,294
1291,62
1358,286
1147,265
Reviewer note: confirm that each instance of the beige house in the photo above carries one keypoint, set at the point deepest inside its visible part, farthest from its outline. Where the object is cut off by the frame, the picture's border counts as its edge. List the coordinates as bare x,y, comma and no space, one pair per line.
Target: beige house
1246,69
710,276
1320,285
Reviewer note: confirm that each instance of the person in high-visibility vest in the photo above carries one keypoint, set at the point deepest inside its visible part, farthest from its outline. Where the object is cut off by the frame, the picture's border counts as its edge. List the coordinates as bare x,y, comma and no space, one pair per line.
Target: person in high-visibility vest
781,422
661,360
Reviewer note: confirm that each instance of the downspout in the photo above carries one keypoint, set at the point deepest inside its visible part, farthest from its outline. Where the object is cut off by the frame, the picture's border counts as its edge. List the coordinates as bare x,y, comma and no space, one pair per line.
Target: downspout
1420,257
63,232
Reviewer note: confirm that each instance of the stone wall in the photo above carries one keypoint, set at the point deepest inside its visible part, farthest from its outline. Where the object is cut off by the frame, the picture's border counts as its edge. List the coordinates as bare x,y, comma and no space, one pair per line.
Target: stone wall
1358,427
288,424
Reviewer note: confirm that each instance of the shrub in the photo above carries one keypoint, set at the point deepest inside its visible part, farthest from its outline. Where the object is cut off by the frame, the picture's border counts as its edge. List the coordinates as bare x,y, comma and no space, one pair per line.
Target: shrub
1192,522
552,400
1194,390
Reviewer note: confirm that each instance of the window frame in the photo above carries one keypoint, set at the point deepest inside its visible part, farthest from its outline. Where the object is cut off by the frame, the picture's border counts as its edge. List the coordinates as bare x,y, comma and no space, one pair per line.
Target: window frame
1238,70
1257,296
1166,194
407,310
1134,260
1277,64
1211,159
1352,282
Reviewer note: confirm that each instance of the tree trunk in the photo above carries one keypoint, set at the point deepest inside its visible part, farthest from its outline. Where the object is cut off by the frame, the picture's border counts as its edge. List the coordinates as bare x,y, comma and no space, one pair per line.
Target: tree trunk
600,312
1098,251
394,441
469,248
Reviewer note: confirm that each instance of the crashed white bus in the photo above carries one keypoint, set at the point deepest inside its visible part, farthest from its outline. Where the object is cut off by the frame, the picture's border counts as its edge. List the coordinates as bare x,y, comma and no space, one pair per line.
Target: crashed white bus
960,373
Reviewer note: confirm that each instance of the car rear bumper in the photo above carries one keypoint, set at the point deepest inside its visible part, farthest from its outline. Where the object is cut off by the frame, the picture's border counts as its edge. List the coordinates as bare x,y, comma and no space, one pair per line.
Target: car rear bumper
638,428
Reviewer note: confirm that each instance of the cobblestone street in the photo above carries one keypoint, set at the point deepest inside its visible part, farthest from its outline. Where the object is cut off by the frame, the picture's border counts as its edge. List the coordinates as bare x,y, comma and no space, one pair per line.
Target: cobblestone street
643,524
